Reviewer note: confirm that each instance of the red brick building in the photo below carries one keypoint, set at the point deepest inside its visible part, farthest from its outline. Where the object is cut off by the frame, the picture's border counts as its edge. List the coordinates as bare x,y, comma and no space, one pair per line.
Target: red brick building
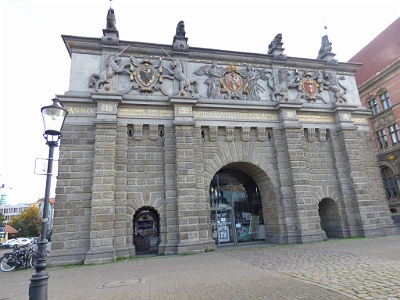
378,81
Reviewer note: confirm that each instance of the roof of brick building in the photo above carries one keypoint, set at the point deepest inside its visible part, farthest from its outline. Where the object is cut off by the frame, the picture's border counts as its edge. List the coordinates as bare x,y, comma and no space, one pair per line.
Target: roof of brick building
379,54
10,229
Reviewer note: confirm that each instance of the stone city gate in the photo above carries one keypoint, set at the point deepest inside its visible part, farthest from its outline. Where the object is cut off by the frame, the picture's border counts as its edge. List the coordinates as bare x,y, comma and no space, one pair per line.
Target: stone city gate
151,127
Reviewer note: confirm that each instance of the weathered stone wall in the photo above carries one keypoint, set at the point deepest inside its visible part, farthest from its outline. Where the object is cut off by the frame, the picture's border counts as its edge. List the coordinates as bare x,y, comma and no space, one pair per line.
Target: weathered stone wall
72,211
375,209
149,130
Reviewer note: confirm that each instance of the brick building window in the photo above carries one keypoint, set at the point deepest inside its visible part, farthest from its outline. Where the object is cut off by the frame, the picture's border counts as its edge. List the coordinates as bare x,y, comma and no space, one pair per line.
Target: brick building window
389,182
373,106
381,138
394,134
385,100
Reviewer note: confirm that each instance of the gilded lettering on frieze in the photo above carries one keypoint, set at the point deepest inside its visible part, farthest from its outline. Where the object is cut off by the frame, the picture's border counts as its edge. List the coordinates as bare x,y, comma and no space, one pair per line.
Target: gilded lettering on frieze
234,115
316,119
360,120
76,110
136,112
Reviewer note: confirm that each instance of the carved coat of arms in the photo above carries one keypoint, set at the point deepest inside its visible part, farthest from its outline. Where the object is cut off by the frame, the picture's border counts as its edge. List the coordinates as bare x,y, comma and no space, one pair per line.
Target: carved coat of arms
146,75
233,80
309,87
147,78
232,83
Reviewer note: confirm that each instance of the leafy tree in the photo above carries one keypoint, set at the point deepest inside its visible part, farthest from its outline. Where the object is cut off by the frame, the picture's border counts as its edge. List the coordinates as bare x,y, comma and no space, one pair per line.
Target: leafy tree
1,219
28,222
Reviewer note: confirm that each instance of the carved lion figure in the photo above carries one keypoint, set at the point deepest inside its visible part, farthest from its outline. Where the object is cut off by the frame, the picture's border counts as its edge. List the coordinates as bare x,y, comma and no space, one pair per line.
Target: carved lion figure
333,85
281,89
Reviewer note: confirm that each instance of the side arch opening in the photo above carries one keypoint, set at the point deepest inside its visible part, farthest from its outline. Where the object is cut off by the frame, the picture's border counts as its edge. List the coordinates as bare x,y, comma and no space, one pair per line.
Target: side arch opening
330,218
146,228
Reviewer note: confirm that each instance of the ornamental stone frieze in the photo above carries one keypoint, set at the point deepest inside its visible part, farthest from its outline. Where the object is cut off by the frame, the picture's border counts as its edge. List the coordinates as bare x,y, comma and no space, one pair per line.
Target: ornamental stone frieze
155,76
171,71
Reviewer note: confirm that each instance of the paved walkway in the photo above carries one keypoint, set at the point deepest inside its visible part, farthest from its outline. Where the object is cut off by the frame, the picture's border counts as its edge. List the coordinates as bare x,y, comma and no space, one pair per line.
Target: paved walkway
340,269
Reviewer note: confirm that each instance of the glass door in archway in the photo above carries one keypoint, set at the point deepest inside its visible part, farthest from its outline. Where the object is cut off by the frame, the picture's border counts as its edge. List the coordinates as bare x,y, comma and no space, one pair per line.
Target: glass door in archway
236,212
221,210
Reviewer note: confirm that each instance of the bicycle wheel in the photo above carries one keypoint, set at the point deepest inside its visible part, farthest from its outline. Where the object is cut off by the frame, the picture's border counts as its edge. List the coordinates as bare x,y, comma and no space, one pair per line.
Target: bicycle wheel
7,263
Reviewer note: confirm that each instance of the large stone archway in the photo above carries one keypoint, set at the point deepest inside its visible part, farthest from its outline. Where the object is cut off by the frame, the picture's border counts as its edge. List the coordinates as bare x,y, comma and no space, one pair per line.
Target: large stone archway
236,207
270,212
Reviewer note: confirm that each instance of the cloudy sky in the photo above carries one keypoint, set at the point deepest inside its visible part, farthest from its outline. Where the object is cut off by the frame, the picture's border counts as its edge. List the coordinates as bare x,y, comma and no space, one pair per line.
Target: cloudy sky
35,63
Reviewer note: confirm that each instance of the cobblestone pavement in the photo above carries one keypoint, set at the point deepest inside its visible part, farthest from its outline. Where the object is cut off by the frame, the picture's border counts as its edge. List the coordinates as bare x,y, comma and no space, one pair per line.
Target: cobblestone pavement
360,275
342,269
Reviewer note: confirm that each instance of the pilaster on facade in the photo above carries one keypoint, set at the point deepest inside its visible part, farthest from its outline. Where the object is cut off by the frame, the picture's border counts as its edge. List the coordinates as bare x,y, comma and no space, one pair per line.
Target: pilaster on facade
383,220
123,233
341,141
186,185
72,211
169,229
344,141
203,206
103,194
295,183
186,189
353,178
301,209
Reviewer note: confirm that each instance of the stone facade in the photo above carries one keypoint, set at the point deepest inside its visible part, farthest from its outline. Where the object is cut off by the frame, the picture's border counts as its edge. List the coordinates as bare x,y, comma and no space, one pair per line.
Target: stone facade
378,82
150,125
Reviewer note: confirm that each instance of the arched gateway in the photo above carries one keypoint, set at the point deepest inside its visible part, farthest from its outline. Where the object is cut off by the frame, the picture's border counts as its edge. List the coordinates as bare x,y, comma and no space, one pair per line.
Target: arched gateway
182,149
236,207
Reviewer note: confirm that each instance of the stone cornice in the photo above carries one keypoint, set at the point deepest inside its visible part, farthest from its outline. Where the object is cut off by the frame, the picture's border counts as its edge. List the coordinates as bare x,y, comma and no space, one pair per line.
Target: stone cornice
94,45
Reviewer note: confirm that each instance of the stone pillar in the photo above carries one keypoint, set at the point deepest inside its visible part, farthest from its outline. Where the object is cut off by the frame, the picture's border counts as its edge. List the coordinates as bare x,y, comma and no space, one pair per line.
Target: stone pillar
169,232
186,197
363,213
378,205
202,195
71,226
186,189
341,142
103,188
300,209
123,220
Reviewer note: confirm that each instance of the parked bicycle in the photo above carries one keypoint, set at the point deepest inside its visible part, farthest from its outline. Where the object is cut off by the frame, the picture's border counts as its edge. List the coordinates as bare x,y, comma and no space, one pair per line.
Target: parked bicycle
22,257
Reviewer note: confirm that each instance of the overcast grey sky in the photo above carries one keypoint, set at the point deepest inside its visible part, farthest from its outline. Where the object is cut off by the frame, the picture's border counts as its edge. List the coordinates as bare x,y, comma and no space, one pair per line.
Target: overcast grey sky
35,63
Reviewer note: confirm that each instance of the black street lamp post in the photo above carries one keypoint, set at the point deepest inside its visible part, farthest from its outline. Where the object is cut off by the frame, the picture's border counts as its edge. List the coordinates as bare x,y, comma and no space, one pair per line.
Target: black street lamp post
53,119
